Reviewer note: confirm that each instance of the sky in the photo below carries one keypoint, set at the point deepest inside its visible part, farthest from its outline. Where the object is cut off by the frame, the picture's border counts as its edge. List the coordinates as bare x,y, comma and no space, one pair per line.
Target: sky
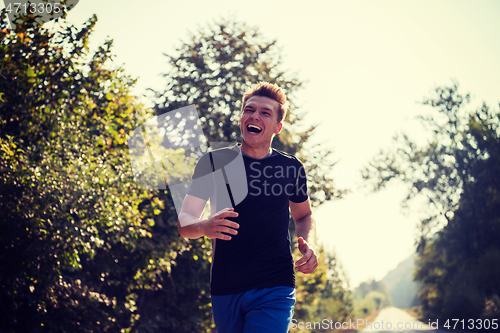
367,65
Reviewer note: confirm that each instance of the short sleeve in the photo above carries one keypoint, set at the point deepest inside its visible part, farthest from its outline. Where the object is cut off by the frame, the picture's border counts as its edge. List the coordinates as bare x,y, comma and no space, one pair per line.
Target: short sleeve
300,192
202,184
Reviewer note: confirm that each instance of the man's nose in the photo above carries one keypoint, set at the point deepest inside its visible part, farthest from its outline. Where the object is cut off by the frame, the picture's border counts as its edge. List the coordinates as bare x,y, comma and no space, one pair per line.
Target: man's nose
255,115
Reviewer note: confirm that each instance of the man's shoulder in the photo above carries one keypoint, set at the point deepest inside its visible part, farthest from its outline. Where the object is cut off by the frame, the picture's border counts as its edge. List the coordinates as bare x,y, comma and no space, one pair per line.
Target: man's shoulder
217,158
220,153
286,157
214,160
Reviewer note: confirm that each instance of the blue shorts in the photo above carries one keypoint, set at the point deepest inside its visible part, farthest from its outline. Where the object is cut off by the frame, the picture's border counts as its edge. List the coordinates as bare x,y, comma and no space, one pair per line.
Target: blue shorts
258,310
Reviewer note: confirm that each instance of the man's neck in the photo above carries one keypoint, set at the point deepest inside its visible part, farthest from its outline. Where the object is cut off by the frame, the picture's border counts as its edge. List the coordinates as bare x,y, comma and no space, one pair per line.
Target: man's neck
256,152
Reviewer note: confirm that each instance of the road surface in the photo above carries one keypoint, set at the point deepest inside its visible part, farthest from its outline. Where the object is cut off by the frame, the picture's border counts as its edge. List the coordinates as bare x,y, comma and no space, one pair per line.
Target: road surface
396,320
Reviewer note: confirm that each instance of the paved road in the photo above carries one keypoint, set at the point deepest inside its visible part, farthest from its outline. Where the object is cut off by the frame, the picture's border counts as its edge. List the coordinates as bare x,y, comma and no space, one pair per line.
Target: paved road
396,320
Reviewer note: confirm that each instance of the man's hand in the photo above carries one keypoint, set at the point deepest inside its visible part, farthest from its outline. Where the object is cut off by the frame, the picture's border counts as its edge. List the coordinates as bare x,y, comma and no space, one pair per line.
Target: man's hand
217,224
308,263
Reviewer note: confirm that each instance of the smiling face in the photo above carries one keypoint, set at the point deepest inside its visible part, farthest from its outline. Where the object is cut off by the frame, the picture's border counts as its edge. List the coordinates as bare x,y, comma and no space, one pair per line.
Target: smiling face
259,122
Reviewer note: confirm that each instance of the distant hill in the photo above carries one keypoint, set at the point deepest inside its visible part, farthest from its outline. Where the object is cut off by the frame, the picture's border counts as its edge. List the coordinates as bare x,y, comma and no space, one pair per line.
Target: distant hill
400,284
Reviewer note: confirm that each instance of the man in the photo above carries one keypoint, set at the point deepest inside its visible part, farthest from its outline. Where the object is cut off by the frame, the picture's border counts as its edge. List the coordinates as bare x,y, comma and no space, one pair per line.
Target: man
252,276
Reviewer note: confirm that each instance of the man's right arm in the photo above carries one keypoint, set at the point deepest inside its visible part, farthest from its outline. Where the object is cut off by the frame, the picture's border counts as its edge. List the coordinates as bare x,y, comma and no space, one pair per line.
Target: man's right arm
190,225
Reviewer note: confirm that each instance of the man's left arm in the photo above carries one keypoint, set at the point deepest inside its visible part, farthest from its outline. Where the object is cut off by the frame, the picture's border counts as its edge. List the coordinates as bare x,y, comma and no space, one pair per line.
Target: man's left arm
305,227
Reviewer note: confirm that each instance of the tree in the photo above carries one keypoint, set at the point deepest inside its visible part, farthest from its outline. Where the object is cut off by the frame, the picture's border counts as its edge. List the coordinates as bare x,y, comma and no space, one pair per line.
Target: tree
324,293
83,247
433,172
213,69
80,240
464,279
458,173
370,296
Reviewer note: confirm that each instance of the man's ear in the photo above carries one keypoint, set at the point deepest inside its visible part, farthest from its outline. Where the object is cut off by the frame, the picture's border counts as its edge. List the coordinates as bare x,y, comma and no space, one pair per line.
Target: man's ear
280,127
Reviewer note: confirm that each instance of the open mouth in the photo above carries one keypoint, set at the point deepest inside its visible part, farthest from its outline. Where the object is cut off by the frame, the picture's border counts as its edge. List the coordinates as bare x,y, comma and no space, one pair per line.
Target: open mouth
254,128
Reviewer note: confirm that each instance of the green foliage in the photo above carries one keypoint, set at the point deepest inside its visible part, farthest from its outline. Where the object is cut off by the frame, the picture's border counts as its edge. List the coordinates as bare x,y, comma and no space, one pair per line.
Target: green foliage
370,296
433,172
323,294
467,278
84,249
81,243
459,172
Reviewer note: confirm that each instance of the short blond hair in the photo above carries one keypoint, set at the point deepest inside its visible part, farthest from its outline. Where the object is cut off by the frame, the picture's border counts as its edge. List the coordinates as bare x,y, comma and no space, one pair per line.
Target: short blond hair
269,90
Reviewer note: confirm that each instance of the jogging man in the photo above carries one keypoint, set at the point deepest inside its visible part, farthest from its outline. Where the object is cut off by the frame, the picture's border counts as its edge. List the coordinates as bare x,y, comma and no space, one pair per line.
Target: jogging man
252,275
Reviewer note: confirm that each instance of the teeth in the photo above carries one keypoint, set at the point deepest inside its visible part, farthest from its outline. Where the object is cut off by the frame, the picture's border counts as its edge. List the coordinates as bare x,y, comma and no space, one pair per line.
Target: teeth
253,126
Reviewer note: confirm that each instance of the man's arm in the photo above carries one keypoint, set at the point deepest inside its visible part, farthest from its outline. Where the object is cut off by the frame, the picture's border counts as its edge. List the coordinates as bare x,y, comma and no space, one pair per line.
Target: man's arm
305,227
190,225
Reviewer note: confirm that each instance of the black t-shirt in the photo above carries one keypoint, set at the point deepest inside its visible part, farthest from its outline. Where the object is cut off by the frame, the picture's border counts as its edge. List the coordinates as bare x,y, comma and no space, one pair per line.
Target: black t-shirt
259,256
